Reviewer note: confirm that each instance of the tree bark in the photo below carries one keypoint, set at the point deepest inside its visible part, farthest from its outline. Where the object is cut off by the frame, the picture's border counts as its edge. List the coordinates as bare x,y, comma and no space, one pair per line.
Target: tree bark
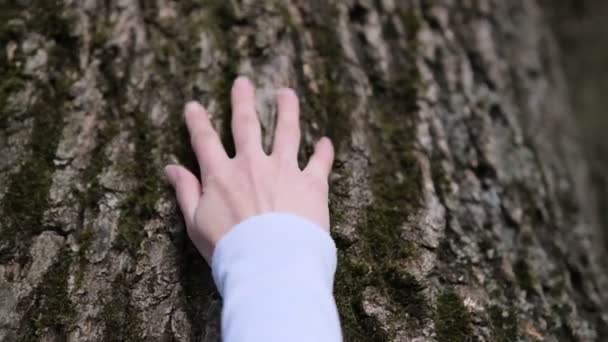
459,199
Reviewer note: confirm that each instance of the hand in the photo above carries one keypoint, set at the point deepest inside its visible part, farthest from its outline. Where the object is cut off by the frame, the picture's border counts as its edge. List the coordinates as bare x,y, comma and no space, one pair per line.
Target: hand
252,182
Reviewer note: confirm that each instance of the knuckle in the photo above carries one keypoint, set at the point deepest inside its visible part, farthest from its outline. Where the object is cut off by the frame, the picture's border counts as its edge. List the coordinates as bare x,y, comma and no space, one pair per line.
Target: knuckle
285,160
216,174
247,160
209,177
292,129
241,110
202,136
246,116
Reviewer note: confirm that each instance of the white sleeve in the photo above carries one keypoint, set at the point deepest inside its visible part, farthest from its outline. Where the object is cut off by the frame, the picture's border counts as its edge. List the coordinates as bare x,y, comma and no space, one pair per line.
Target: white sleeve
275,273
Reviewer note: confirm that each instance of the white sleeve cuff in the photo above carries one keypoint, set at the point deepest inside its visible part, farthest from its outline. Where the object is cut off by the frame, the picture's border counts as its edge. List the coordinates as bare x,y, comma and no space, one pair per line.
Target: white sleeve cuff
275,273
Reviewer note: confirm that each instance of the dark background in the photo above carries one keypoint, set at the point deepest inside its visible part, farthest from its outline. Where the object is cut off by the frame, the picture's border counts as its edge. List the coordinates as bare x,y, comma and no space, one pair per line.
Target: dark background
582,32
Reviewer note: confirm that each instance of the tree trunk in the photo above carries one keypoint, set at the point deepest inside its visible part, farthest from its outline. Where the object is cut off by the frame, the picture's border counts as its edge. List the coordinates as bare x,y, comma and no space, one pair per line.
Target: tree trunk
459,200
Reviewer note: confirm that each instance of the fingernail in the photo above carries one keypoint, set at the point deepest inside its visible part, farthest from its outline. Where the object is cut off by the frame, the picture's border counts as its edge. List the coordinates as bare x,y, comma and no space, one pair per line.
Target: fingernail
242,79
286,91
191,106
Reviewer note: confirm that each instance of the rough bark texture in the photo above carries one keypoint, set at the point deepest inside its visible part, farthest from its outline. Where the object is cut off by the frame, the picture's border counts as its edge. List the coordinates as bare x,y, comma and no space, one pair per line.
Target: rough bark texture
459,199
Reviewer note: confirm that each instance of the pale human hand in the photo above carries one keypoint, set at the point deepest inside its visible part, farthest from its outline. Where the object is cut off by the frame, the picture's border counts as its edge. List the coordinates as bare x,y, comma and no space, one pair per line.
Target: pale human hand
251,183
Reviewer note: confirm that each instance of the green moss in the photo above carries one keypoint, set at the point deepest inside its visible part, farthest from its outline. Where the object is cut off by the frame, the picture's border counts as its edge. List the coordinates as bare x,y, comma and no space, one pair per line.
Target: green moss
396,185
131,231
217,19
223,14
9,11
523,276
26,198
396,178
333,106
43,16
452,321
283,10
48,18
11,82
197,283
27,193
330,104
382,232
101,34
12,78
441,180
139,206
411,21
405,290
85,238
352,277
323,29
504,324
119,317
93,190
395,181
49,307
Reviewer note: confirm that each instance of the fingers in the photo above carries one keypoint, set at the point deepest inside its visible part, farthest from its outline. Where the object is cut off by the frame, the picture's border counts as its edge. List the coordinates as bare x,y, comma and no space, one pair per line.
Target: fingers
287,135
206,143
187,190
245,124
321,160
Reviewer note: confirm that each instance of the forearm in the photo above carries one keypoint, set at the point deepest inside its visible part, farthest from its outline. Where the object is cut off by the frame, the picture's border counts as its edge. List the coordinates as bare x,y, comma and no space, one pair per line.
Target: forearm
275,273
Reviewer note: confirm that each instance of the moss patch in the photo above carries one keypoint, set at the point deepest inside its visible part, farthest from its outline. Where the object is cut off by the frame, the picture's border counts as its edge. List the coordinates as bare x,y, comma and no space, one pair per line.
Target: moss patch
452,321
406,291
138,207
524,276
395,181
504,324
11,82
93,191
396,178
352,277
85,237
26,198
49,307
199,288
216,18
119,317
329,105
411,21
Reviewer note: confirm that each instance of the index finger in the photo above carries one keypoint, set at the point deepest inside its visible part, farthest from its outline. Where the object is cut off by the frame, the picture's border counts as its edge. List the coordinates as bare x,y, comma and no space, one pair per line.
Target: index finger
205,141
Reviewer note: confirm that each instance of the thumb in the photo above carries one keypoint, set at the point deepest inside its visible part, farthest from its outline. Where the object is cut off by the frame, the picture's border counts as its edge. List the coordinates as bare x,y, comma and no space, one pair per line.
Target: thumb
322,159
187,190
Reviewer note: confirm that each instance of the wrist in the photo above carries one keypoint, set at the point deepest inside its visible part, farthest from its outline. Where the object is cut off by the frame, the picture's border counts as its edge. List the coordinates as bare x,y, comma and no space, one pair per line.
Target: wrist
275,245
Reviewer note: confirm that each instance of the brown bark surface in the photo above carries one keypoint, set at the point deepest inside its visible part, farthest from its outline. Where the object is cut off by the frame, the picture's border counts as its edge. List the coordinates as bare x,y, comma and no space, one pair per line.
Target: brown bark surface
459,197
